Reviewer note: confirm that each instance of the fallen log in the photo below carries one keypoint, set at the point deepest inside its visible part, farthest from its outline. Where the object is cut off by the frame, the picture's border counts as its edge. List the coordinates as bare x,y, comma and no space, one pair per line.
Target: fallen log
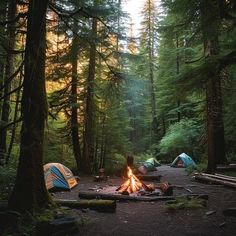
226,176
231,167
220,177
207,179
149,177
97,205
93,195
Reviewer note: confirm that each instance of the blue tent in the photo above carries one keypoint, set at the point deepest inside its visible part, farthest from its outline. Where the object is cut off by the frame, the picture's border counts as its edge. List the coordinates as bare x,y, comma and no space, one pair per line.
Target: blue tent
183,160
58,176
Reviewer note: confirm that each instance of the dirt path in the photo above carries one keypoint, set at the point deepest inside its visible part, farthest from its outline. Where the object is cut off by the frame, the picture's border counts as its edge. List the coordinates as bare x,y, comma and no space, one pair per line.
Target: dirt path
152,218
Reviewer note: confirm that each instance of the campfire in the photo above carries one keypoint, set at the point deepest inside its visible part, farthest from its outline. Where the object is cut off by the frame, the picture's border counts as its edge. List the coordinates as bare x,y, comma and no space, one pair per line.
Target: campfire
133,184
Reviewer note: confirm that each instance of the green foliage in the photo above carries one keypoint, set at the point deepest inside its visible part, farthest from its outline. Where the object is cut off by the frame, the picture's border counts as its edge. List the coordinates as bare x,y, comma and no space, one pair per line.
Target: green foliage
180,137
7,179
201,167
115,164
230,173
56,148
185,203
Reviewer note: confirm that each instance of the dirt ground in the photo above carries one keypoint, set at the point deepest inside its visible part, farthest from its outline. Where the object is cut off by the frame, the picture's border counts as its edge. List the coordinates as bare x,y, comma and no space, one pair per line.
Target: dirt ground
152,218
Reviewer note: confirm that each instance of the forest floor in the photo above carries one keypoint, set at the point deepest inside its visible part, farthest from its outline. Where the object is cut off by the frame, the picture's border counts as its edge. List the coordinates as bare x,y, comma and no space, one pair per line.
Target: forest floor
152,218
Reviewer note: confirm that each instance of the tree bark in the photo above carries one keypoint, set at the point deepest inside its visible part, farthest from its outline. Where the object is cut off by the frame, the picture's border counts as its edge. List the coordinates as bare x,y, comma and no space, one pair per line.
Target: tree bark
74,107
9,68
30,193
89,112
177,72
215,125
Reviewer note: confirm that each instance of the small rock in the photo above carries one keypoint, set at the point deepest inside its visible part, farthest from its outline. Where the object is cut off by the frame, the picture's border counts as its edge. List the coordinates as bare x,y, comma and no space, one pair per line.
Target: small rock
85,210
189,190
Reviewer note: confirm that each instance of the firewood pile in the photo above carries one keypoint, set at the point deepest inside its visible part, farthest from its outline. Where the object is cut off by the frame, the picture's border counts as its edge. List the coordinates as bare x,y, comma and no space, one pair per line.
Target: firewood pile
228,181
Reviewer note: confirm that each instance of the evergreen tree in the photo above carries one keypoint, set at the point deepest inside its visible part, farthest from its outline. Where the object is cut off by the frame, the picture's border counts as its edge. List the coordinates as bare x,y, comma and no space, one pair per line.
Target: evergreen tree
30,193
204,33
9,69
148,51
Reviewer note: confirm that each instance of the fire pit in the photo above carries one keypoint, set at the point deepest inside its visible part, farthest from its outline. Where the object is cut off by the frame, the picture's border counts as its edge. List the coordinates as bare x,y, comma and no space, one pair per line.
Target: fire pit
132,189
133,184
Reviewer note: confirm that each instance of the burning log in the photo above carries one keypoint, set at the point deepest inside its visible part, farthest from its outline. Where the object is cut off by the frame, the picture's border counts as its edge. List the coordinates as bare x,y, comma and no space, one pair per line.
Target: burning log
132,184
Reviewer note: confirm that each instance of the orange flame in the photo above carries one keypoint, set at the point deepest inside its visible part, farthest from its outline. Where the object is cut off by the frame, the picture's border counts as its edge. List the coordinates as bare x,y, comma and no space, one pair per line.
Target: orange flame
131,185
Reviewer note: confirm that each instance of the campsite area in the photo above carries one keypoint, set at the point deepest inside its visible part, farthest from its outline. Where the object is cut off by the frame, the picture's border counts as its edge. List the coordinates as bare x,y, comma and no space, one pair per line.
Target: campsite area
153,218
117,117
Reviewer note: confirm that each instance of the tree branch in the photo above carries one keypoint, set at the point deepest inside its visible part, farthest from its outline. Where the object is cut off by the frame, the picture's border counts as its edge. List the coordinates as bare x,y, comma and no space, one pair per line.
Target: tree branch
11,92
7,81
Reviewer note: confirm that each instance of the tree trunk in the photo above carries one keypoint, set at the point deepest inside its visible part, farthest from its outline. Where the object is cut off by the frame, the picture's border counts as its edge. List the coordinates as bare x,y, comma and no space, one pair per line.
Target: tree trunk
3,5
9,68
89,112
74,107
164,126
215,125
30,193
219,126
151,74
177,72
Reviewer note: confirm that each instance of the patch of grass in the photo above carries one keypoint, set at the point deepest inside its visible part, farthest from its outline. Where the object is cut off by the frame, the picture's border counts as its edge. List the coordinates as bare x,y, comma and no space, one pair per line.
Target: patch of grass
84,221
201,167
185,203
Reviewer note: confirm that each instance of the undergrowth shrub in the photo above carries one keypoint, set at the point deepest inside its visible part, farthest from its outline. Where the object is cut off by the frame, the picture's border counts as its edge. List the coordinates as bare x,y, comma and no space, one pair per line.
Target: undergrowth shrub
115,164
7,180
